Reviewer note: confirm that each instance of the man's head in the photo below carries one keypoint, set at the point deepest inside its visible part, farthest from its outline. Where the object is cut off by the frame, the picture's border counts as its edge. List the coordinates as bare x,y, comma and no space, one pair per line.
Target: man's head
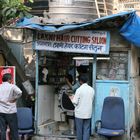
83,79
7,77
82,69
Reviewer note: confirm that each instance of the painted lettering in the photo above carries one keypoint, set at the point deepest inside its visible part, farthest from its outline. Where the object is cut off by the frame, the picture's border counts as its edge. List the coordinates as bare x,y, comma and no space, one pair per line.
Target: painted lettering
98,40
69,46
80,39
58,45
63,38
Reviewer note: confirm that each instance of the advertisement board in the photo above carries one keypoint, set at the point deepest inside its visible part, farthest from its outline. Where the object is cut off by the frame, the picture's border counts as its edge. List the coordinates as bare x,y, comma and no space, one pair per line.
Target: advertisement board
87,41
7,69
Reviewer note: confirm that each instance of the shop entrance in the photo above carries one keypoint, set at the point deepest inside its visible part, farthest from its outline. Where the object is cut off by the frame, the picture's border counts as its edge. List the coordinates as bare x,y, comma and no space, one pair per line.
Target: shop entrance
54,68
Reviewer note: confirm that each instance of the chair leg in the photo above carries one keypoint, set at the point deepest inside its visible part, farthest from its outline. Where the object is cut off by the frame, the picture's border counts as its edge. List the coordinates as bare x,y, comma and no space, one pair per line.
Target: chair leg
71,125
23,137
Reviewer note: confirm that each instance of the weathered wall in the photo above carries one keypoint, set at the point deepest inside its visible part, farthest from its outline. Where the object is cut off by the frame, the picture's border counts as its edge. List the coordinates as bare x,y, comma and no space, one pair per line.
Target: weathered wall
2,60
117,40
135,82
17,50
116,68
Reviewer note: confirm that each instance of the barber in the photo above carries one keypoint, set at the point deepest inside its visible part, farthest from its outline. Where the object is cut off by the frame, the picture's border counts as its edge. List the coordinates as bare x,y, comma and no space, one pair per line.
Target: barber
83,101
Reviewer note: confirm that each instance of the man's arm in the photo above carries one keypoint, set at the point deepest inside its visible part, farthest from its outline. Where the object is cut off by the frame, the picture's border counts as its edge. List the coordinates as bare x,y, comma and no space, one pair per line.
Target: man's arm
76,98
16,93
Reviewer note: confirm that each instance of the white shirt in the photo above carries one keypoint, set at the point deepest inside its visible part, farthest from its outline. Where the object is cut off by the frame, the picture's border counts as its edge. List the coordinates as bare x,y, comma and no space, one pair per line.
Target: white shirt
83,100
8,90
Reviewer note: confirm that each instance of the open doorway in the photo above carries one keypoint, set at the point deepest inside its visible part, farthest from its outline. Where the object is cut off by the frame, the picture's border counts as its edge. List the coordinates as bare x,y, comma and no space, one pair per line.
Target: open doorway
53,69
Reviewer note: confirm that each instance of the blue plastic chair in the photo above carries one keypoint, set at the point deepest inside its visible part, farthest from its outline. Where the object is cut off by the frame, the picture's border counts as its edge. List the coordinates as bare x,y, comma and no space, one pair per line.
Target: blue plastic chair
25,121
112,121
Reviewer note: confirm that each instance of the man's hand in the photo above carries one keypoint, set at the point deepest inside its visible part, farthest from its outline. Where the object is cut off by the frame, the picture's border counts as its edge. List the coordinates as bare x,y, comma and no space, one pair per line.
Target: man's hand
71,97
68,82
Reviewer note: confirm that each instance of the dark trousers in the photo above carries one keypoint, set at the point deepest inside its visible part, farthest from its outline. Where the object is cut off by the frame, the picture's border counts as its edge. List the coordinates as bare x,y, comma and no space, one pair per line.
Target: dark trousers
11,121
83,128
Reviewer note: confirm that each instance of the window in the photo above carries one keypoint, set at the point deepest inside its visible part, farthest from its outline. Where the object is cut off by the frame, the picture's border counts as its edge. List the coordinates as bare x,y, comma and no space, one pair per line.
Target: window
115,68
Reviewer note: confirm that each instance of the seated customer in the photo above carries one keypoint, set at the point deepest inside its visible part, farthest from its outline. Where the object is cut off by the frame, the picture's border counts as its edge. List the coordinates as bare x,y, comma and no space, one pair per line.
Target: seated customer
81,70
73,87
66,87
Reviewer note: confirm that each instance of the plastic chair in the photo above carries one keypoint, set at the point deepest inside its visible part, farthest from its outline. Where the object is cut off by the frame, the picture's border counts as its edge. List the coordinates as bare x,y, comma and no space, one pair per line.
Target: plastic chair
112,121
25,121
68,107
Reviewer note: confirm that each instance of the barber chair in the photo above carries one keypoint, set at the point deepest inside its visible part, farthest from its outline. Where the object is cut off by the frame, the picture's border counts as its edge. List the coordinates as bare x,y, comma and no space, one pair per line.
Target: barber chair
112,123
68,107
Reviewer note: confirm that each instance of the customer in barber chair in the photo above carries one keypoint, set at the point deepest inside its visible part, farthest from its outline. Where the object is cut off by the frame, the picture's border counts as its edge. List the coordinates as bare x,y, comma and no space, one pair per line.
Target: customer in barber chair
66,88
80,70
67,106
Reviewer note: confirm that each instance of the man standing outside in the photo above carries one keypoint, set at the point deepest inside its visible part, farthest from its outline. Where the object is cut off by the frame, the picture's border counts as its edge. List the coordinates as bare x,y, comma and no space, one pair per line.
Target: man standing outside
83,101
9,93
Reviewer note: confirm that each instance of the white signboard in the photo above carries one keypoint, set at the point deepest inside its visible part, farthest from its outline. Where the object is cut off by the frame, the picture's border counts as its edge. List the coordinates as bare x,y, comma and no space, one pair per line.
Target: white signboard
93,42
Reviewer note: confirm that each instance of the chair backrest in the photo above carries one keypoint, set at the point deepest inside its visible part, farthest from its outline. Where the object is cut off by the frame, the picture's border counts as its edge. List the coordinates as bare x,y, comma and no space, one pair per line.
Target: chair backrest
113,114
66,103
25,118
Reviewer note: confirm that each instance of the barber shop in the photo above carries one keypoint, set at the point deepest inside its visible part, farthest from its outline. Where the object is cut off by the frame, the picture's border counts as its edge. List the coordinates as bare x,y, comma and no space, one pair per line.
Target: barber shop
62,58
98,50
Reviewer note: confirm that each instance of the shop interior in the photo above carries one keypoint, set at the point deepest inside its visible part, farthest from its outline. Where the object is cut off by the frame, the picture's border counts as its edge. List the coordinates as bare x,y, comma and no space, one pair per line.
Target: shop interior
53,68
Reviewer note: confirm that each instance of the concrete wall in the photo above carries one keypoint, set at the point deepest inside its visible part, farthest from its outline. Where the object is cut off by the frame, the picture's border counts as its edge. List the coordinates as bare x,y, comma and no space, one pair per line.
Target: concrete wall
17,50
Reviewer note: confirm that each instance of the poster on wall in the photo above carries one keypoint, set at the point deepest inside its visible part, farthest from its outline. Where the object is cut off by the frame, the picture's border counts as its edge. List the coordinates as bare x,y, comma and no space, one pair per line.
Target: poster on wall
7,69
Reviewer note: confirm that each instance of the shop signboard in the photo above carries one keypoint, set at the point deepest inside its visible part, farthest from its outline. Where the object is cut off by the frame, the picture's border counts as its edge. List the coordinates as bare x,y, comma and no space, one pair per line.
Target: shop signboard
85,41
7,69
